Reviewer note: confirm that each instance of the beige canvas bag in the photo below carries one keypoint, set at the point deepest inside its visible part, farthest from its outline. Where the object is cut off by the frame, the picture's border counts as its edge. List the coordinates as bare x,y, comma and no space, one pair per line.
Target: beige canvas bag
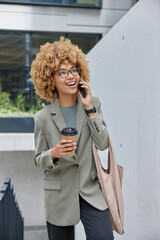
111,183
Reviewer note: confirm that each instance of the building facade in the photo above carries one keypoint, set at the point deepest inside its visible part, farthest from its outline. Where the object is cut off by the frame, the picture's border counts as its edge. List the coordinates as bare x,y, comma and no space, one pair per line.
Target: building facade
27,24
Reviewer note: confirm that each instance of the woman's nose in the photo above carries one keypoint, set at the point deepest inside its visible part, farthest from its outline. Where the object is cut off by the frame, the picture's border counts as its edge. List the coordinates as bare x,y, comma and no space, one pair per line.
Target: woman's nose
70,74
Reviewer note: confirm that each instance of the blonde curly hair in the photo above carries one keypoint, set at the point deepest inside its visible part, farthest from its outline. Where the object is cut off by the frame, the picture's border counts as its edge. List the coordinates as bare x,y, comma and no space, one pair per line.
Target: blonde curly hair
48,61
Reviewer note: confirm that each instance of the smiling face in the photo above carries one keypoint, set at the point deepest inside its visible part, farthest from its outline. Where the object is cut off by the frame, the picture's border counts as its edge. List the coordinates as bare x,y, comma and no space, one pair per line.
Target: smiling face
66,85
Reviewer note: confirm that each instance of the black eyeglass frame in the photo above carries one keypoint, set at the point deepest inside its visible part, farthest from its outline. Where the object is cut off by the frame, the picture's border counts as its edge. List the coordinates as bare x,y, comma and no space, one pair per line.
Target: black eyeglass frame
77,68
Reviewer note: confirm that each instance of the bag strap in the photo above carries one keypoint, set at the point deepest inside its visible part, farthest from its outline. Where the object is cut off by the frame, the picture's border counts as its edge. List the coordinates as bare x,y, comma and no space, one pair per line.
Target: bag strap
111,162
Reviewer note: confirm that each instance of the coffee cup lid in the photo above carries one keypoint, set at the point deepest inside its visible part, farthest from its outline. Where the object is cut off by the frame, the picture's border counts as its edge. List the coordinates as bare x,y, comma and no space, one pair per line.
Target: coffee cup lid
69,131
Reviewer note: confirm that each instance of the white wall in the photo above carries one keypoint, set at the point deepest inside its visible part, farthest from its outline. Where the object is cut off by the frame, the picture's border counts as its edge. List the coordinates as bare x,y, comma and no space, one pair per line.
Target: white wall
125,74
61,19
27,181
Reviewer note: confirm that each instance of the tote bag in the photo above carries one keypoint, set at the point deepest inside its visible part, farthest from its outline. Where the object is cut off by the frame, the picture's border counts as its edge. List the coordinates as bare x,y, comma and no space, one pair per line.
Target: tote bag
111,183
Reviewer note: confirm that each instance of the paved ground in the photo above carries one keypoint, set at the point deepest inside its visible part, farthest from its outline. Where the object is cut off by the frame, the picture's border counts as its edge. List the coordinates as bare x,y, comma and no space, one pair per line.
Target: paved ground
35,233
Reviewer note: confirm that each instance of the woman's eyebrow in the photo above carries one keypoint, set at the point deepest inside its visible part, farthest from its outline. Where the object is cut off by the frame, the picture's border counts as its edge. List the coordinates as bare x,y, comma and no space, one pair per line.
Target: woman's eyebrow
66,68
62,69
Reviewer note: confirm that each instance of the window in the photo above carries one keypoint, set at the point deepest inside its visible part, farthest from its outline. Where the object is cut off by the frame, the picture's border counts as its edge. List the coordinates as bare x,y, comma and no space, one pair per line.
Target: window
70,3
17,51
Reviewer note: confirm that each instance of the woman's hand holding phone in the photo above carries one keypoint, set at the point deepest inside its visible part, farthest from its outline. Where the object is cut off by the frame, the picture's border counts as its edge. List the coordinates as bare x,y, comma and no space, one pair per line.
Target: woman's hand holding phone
87,100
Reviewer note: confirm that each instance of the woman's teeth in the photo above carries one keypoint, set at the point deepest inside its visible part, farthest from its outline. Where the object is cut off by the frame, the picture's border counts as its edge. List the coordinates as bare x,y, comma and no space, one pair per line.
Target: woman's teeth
71,84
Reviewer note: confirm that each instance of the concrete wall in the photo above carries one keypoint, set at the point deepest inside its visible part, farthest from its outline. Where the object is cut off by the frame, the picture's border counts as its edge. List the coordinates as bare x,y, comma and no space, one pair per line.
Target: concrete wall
62,19
16,162
125,74
27,181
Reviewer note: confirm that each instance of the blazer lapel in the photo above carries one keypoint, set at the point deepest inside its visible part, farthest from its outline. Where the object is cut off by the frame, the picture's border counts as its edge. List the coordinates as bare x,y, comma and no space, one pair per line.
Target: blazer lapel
57,116
80,117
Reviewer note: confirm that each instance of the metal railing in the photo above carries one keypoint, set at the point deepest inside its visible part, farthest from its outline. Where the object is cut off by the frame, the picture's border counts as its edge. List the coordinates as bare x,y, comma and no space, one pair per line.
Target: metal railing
11,220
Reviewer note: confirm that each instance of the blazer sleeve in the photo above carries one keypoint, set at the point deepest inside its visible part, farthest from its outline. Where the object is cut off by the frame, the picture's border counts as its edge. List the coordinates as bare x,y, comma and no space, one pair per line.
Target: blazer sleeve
42,156
98,127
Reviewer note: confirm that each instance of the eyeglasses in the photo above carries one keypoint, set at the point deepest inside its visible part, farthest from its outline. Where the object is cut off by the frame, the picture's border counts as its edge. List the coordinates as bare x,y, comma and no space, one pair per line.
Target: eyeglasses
63,73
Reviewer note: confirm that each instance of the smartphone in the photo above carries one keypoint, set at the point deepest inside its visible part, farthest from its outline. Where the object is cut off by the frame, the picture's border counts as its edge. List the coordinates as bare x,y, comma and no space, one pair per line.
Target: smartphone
82,90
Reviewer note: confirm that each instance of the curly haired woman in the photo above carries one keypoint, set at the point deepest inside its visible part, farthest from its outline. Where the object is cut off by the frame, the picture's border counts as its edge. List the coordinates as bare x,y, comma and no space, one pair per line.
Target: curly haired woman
72,191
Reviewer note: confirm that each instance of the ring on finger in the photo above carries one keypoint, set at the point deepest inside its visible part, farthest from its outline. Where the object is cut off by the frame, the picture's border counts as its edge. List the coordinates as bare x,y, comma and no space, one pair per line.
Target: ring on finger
62,146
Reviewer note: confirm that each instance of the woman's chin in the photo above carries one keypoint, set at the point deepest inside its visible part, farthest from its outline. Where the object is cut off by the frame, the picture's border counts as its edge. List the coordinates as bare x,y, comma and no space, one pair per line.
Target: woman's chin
73,91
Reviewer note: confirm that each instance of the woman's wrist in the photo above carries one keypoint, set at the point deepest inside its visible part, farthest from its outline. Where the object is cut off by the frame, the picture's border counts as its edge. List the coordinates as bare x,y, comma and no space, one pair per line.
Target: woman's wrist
88,107
54,158
53,154
90,110
91,114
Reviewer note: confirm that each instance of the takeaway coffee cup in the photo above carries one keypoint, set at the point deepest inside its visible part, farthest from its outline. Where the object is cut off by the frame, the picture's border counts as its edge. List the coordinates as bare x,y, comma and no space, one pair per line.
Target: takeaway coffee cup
69,134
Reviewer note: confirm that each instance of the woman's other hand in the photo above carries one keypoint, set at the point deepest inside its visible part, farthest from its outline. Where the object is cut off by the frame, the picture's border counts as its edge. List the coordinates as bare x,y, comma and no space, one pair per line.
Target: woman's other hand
63,148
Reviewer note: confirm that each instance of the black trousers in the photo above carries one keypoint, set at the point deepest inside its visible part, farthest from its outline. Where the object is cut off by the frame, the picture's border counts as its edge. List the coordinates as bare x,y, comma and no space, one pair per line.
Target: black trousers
97,225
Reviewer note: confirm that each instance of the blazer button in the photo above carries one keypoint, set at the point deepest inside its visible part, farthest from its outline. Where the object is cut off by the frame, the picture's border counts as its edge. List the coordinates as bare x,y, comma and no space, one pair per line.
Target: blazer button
76,165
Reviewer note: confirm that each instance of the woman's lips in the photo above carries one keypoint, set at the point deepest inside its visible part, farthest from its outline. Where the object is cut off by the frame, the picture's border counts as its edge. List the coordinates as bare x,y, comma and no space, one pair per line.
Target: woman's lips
71,84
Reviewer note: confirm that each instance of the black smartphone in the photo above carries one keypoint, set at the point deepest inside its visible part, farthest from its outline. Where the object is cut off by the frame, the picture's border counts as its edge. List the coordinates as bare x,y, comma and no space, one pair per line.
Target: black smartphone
82,90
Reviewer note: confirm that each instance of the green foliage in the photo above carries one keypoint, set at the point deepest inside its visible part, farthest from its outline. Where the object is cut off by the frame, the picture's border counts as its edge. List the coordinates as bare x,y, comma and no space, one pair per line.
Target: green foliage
19,109
5,102
20,102
37,105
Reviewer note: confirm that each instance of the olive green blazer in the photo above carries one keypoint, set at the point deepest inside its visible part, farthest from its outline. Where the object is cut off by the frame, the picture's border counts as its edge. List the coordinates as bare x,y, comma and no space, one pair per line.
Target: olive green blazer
70,176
